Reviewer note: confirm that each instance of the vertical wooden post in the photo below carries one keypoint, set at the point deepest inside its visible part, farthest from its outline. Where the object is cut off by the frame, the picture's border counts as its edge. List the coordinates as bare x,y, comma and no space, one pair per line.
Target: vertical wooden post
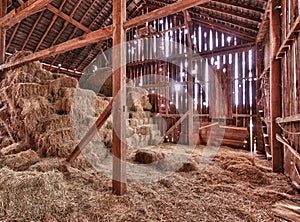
119,108
188,24
275,86
3,4
259,136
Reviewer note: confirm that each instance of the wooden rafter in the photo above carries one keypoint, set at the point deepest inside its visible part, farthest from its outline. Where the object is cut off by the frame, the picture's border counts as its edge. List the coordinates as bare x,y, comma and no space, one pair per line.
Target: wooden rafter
72,44
163,12
31,31
75,30
90,26
65,25
21,2
67,18
228,12
46,32
227,50
240,5
235,24
12,35
49,27
66,22
219,27
28,8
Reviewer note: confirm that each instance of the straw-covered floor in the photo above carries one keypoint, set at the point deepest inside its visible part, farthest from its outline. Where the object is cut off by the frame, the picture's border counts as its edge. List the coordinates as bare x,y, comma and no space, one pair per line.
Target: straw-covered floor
40,123
233,187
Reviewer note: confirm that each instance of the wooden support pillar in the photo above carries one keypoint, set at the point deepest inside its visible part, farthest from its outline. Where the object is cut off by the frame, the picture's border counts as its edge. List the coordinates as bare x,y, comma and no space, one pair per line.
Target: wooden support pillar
275,86
119,107
188,24
259,135
3,8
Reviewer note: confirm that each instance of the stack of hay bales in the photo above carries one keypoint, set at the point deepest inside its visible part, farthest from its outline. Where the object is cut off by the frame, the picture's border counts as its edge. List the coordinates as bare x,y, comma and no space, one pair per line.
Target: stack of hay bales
45,115
141,131
38,110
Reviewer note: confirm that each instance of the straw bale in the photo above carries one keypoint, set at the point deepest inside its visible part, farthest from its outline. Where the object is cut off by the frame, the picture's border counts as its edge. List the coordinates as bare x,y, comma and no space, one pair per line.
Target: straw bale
147,156
59,143
144,130
12,149
23,90
190,165
22,160
31,196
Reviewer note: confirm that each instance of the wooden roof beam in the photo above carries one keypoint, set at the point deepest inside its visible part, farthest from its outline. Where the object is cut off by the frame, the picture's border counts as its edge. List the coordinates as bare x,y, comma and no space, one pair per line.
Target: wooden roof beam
72,44
73,32
239,5
59,13
28,8
207,17
231,13
264,25
227,50
163,12
12,35
89,27
31,31
224,28
21,2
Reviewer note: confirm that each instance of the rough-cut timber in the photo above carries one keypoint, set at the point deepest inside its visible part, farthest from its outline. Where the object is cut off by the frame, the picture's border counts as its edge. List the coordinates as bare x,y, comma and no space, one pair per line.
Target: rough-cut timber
162,12
119,83
275,87
68,18
79,42
28,8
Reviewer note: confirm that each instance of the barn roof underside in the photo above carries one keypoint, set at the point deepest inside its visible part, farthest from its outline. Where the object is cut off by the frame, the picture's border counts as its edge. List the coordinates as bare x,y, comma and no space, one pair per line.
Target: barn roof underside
62,20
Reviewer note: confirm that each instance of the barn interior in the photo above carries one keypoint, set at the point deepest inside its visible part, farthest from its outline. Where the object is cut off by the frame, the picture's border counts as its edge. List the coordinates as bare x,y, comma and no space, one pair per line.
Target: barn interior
149,110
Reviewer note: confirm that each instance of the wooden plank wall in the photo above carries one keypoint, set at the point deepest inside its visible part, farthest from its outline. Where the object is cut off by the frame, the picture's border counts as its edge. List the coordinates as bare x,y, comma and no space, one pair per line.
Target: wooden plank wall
291,74
168,61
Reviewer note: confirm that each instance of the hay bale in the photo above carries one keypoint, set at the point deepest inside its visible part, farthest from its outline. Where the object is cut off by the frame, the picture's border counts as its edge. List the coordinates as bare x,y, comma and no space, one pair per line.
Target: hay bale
148,156
22,160
190,165
143,130
12,149
31,196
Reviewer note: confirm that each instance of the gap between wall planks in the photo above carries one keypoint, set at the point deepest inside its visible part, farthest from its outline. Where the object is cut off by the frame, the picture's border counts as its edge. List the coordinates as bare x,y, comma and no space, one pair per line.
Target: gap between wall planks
158,62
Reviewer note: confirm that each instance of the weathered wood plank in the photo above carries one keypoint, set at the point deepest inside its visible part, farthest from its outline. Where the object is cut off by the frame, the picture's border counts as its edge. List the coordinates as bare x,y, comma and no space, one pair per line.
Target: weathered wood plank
163,12
275,87
119,146
72,44
67,18
289,119
28,8
287,210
